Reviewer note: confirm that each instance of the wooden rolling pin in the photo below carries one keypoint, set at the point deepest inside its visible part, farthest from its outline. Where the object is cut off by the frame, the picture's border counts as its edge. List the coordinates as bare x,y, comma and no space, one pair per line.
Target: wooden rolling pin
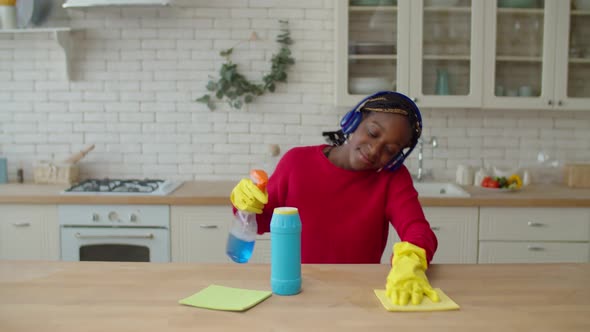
79,155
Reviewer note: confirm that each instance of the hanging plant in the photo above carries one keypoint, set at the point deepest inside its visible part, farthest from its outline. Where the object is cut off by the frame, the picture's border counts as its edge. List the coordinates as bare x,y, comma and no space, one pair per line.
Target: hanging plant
236,89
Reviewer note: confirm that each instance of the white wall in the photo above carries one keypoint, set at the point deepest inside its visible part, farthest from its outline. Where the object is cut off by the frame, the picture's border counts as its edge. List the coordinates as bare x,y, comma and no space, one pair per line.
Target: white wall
137,72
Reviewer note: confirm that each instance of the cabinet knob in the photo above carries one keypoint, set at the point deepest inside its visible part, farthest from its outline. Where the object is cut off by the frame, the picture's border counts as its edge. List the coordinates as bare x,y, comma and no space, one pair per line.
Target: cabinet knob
415,99
208,226
559,103
534,224
550,102
95,217
435,228
21,224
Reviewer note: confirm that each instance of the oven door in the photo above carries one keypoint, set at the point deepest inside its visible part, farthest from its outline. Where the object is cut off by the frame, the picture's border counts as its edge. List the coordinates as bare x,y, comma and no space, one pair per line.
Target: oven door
118,244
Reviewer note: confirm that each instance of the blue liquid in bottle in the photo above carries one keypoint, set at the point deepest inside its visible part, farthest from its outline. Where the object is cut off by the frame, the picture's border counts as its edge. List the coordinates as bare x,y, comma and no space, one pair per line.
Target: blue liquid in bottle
239,250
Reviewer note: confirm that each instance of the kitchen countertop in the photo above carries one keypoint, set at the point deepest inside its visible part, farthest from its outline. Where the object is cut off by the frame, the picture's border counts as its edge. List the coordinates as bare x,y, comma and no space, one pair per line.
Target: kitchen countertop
109,296
217,193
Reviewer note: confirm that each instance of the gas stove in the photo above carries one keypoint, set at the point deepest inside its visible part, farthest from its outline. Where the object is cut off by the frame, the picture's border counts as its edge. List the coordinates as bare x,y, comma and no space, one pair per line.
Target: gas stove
124,187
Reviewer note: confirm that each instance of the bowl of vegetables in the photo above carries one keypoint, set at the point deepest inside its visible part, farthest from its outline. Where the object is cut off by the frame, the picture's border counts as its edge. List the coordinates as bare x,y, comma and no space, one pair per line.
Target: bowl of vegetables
502,183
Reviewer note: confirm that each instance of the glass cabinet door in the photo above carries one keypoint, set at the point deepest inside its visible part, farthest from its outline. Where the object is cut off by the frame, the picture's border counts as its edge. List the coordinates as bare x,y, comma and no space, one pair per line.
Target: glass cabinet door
519,49
447,63
572,90
367,33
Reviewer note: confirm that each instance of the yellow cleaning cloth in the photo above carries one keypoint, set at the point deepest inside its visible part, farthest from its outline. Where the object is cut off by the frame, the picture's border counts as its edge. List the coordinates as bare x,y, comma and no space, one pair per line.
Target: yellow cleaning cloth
427,305
226,298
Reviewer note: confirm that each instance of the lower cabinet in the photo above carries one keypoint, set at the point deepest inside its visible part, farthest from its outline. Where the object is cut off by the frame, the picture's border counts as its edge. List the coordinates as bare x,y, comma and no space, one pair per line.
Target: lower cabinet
29,232
199,235
465,235
534,235
456,231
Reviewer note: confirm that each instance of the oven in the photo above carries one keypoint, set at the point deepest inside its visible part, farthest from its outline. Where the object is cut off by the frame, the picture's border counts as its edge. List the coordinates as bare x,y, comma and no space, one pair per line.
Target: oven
123,233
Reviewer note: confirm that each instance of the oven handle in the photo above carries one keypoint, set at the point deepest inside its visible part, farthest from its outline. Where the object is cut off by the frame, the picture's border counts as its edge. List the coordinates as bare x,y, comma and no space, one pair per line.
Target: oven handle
146,236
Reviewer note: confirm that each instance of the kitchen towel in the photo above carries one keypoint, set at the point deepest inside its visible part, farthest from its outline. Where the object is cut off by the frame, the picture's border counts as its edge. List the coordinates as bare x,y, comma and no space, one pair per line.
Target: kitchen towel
226,298
427,305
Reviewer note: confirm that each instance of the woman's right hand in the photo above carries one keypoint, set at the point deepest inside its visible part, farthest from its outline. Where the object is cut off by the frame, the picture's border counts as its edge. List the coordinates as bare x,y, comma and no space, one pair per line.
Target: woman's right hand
246,196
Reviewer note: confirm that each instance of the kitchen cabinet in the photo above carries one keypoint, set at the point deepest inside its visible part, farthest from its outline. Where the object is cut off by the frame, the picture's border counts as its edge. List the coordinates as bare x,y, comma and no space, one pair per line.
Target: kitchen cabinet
537,57
29,232
534,235
435,57
456,231
199,235
465,53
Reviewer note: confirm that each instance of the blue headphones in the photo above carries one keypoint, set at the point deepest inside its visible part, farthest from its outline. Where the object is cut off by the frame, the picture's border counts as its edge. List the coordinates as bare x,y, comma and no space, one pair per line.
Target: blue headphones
351,120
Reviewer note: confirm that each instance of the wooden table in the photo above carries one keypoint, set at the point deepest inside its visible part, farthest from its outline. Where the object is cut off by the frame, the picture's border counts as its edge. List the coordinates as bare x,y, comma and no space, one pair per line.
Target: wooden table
102,296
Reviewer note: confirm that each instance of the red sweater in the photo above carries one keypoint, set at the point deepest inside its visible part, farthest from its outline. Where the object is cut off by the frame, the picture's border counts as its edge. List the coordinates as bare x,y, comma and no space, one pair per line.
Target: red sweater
345,214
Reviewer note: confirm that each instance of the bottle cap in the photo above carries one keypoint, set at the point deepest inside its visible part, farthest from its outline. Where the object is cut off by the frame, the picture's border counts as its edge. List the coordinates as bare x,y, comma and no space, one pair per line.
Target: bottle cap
286,210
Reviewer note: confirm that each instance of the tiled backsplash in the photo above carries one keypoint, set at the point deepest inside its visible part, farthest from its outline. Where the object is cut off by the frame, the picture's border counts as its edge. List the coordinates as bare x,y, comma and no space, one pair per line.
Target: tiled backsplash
137,72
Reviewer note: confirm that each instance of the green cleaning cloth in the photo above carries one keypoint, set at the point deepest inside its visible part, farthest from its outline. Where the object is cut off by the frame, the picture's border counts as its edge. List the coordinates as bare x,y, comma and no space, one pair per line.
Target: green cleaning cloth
226,298
446,303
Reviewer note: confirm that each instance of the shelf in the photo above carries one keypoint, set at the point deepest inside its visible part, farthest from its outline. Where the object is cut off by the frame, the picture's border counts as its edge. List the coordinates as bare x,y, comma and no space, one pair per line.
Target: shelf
432,9
372,8
61,35
516,58
447,57
581,12
372,57
104,3
525,11
580,60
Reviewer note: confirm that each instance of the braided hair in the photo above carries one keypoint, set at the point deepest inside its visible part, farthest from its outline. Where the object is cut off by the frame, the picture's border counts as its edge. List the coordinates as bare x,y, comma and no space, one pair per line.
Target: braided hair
387,103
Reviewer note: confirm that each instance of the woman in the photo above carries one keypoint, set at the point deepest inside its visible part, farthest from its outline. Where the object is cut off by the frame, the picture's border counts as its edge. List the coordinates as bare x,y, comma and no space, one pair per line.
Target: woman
349,191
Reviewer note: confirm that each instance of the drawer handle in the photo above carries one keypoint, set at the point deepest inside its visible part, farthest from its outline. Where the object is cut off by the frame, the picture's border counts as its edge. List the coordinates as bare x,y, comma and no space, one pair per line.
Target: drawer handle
208,226
435,228
535,248
535,224
21,224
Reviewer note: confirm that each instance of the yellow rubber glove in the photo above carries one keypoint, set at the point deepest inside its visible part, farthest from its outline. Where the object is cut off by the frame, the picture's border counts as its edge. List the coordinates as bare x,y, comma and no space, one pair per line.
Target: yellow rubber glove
246,196
407,278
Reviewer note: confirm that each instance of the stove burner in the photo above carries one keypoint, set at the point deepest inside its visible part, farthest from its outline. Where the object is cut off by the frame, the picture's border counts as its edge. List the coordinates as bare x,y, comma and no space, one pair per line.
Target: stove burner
115,185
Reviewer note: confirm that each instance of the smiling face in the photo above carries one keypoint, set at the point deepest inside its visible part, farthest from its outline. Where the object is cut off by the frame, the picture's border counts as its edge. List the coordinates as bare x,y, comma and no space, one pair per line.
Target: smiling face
378,138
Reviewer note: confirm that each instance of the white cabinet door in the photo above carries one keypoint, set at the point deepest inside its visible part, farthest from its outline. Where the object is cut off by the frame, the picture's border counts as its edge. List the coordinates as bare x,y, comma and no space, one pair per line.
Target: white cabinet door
29,232
572,58
199,234
370,56
446,56
533,252
537,58
534,235
456,231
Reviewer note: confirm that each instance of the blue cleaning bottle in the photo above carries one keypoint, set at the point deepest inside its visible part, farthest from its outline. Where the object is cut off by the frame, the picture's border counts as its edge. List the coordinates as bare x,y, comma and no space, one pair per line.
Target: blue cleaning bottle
242,233
285,251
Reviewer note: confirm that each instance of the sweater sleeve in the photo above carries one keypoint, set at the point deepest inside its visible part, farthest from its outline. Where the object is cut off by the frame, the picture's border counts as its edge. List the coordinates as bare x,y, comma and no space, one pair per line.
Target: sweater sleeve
406,215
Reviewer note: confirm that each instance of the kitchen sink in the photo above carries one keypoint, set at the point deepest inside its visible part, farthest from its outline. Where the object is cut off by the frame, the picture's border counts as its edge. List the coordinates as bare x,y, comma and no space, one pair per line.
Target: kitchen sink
439,189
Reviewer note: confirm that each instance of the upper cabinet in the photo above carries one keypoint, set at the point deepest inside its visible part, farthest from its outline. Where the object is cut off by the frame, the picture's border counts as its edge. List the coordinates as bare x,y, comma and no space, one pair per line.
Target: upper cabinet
367,51
446,57
527,54
430,50
537,55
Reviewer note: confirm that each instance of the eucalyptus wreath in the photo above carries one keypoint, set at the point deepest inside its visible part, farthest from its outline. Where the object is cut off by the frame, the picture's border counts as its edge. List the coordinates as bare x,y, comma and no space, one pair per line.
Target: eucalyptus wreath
236,89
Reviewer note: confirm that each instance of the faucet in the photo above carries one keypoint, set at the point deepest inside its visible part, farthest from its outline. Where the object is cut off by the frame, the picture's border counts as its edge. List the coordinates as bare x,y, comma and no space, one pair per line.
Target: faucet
421,173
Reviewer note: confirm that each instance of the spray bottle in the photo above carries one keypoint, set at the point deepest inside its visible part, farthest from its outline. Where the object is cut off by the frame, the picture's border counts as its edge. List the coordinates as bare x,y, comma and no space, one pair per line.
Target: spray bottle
242,233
